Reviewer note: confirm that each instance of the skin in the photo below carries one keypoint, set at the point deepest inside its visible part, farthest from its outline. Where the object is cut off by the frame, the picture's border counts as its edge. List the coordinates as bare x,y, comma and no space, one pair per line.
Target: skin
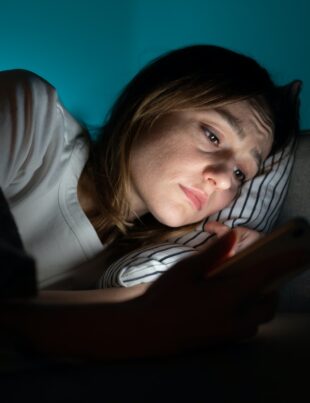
190,155
180,311
90,271
211,152
245,236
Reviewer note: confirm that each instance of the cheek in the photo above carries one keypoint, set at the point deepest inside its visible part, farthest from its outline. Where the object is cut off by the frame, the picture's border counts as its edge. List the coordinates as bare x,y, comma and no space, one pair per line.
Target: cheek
223,199
150,172
144,163
232,194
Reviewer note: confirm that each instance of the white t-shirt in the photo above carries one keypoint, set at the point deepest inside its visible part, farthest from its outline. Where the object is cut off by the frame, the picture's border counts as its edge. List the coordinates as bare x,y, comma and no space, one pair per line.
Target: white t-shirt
42,154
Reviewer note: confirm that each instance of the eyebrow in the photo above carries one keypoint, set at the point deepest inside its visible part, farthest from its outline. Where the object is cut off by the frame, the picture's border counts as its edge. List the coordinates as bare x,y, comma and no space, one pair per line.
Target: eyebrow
232,121
235,124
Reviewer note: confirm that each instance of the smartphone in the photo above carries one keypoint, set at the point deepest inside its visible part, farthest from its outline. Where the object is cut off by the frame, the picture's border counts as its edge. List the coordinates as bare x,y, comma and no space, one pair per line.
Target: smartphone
281,255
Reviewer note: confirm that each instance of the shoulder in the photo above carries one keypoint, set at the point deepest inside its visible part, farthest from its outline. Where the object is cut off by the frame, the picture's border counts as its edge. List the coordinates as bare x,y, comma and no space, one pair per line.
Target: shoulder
10,78
23,92
26,99
33,126
25,89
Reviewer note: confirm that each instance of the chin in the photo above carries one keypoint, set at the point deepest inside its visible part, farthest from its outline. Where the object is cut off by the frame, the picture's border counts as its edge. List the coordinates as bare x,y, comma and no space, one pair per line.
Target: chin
174,220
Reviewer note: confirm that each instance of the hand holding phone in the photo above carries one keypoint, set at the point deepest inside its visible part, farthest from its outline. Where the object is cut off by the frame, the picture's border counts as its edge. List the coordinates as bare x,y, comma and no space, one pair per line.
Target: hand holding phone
278,256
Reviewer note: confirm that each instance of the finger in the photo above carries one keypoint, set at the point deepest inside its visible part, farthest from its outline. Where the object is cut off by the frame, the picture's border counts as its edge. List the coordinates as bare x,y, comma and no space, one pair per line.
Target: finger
210,258
196,266
246,237
217,228
214,255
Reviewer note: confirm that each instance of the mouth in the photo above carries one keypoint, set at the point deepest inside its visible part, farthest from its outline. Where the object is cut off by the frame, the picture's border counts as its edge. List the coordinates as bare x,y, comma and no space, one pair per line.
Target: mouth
196,197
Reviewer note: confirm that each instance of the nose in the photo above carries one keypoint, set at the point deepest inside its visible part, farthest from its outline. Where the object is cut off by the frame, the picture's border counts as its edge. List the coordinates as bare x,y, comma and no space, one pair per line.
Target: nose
219,177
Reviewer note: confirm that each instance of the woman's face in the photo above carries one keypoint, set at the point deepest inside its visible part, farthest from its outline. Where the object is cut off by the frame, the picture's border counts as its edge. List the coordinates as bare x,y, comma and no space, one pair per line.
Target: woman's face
192,164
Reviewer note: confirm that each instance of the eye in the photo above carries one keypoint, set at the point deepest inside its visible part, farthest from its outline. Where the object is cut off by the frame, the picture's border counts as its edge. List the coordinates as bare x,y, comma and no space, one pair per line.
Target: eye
239,175
211,136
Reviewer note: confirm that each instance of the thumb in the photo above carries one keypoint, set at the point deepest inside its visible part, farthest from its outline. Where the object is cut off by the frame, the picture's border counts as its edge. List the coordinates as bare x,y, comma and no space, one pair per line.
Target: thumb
194,267
211,257
217,228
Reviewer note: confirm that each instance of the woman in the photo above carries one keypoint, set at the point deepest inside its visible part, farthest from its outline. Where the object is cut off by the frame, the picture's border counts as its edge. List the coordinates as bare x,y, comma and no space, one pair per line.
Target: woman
180,141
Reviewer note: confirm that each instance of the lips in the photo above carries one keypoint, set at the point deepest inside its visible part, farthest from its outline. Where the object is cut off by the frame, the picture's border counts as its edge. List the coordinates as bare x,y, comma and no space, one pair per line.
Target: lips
197,197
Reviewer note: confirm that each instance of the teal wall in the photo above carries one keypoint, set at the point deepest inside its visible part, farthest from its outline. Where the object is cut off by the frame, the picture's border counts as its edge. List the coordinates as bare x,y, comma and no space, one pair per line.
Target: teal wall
90,49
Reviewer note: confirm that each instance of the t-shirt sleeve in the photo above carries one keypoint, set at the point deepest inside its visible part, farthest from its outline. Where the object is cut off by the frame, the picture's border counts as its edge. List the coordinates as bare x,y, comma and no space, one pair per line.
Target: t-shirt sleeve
29,119
257,207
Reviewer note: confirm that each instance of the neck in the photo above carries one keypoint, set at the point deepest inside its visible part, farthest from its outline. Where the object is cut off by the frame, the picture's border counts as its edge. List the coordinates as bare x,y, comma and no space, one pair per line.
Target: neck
87,199
137,206
85,194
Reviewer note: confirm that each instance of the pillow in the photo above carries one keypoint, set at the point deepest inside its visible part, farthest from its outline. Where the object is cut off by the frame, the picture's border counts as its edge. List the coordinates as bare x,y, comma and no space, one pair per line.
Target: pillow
257,207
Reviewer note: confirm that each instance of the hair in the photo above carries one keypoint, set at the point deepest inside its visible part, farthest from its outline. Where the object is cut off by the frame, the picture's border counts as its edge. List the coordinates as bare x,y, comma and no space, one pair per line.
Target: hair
194,77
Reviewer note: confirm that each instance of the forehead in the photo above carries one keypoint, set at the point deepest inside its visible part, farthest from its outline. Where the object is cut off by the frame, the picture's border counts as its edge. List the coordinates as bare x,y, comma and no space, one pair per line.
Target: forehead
242,120
245,120
241,115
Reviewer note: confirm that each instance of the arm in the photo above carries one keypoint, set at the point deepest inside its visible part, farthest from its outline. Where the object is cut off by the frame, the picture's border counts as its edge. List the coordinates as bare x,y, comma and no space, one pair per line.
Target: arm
161,321
119,294
27,106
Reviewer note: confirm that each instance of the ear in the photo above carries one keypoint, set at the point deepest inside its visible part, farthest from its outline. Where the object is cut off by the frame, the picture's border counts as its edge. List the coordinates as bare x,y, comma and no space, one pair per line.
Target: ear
291,93
287,112
294,90
291,102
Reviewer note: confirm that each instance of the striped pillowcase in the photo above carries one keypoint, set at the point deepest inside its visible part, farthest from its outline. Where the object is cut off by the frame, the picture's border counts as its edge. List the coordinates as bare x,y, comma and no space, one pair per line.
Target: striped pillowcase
257,207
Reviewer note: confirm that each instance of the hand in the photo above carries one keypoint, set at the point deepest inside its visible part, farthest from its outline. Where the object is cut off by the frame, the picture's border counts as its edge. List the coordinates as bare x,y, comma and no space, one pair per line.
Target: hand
245,236
188,310
181,310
